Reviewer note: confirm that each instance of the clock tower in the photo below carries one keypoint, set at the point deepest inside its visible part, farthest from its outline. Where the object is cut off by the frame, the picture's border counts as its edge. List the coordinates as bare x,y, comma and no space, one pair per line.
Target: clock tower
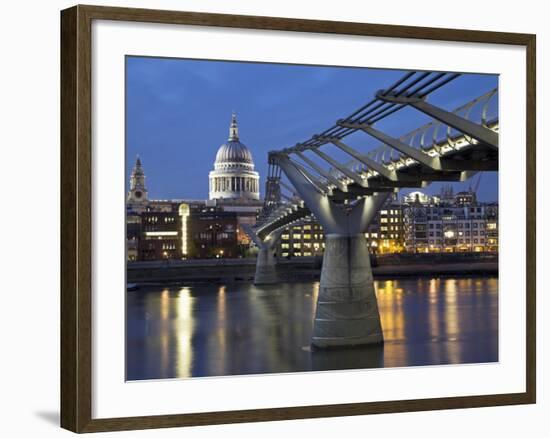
137,196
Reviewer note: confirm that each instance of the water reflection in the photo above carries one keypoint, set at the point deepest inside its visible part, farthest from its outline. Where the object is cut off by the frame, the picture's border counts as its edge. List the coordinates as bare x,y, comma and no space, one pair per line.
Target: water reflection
213,330
184,332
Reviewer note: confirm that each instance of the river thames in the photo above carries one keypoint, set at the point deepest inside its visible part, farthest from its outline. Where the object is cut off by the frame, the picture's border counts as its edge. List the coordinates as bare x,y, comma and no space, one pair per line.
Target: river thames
238,328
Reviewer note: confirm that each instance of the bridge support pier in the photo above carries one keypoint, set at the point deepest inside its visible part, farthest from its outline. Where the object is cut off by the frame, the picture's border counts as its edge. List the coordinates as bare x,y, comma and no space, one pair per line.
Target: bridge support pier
266,262
347,310
266,266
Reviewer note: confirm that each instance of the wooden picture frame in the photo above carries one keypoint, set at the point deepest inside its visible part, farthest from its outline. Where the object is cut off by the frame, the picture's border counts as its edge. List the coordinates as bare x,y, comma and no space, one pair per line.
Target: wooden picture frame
76,218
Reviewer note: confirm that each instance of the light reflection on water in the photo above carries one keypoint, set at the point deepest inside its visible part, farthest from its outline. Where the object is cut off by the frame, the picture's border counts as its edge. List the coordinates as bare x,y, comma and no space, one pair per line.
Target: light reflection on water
213,330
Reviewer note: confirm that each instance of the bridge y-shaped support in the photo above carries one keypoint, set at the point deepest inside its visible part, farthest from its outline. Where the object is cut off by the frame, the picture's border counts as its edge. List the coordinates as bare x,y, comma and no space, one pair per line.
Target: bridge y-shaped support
266,262
347,310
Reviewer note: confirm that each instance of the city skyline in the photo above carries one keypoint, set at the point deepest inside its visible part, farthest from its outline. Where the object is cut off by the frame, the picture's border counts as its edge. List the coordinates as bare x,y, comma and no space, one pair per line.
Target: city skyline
178,113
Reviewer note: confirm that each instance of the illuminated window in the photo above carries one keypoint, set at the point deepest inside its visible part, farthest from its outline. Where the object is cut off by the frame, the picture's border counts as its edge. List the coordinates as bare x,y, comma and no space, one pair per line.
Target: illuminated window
296,236
296,245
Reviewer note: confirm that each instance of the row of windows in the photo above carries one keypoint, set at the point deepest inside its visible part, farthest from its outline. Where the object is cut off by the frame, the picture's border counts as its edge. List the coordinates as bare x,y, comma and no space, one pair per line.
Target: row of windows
307,227
438,241
315,227
226,227
464,225
456,217
384,220
460,233
165,246
303,245
208,236
391,228
156,219
297,236
158,237
390,212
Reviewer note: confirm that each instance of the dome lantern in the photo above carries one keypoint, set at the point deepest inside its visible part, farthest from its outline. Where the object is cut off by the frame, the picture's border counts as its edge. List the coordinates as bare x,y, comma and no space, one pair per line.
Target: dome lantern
233,128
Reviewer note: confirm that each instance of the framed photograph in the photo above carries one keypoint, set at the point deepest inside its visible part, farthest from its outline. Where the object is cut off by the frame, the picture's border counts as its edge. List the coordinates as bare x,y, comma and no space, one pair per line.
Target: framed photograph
268,218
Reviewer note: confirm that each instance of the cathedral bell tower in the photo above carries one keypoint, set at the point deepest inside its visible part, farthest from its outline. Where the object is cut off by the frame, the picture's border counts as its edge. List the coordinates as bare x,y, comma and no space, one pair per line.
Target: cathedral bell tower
137,195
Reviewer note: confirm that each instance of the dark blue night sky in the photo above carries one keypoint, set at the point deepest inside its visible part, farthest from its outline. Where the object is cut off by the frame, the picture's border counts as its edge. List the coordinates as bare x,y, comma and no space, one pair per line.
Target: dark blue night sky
178,114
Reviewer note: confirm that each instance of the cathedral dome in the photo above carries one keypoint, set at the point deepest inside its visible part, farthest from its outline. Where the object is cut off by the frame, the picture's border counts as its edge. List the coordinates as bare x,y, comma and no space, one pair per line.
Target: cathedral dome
233,152
234,176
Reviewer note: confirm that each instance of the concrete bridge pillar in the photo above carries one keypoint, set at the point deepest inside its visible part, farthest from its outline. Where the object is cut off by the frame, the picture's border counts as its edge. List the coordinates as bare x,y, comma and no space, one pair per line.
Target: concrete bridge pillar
266,266
347,310
266,263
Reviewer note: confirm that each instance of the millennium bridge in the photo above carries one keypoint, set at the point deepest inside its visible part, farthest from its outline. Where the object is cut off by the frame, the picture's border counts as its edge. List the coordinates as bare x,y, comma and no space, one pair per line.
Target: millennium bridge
345,194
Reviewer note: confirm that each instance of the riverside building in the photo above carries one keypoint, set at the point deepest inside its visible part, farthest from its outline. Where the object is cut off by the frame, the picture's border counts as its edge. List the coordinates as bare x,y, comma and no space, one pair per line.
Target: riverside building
463,225
418,223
